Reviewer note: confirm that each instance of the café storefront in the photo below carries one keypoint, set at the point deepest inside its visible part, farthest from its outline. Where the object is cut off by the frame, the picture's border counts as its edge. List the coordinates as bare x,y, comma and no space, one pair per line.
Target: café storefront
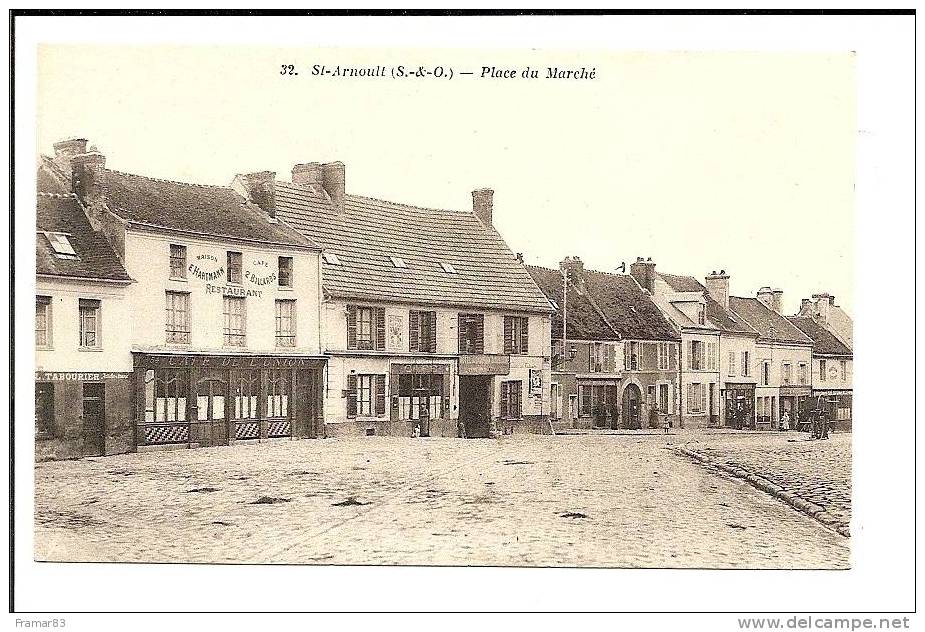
739,405
200,400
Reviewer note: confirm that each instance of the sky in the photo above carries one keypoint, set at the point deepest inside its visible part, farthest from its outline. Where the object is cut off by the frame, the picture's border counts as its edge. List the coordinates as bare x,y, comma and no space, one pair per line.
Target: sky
701,161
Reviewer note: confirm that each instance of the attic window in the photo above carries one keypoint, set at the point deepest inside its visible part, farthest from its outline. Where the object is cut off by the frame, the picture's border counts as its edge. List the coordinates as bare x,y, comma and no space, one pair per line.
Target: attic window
398,262
448,268
331,259
61,245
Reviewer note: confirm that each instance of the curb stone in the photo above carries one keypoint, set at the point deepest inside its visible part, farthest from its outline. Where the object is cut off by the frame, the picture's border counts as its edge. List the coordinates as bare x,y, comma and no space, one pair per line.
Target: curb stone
800,504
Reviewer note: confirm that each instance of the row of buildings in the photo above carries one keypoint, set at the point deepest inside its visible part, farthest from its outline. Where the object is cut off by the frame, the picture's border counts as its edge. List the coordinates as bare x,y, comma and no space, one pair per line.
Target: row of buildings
181,315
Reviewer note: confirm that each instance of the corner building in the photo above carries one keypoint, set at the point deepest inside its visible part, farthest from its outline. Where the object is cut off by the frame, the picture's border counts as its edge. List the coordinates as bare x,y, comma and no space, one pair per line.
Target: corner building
223,319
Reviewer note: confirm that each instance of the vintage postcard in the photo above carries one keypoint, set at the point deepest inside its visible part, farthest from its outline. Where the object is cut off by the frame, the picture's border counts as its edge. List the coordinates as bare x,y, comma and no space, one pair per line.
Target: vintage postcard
443,306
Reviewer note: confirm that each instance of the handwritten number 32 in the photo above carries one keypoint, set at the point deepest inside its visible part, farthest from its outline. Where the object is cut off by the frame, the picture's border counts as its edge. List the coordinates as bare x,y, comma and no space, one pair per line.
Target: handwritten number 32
288,69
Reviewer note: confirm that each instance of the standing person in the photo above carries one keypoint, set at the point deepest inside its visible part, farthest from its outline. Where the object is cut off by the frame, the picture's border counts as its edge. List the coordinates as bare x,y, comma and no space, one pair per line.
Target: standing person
785,421
824,426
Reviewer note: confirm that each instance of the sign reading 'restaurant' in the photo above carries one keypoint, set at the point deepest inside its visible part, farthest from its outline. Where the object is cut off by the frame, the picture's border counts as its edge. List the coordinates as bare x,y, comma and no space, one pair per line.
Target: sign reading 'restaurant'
206,267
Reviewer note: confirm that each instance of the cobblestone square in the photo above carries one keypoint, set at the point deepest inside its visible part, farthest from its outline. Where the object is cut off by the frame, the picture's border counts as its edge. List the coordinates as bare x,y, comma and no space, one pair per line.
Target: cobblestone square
585,500
817,471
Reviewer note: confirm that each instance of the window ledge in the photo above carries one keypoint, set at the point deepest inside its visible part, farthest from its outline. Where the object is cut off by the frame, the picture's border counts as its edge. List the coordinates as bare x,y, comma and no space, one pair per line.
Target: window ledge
285,288
178,279
44,348
90,349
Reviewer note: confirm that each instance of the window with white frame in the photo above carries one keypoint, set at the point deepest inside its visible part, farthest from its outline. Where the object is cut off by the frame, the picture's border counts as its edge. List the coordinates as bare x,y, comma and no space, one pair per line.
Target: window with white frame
663,398
801,373
285,323
787,373
732,364
43,321
235,315
89,316
178,318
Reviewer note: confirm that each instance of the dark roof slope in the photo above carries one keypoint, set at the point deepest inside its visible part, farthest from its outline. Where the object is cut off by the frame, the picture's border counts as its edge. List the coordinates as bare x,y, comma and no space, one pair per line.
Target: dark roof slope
769,324
584,321
824,341
722,318
369,231
61,213
205,209
625,310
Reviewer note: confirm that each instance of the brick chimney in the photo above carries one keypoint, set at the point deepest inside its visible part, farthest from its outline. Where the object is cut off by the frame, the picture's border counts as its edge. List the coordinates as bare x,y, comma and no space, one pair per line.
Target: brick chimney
482,205
573,267
643,270
824,302
777,300
261,190
717,284
333,177
771,298
309,174
65,150
88,182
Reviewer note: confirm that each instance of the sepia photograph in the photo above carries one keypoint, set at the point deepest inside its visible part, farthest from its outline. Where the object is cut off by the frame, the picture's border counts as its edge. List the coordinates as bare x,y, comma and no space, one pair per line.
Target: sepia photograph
341,305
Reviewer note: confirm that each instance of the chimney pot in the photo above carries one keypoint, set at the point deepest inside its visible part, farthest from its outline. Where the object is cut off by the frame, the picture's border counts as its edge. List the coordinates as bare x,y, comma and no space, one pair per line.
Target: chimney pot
482,203
334,181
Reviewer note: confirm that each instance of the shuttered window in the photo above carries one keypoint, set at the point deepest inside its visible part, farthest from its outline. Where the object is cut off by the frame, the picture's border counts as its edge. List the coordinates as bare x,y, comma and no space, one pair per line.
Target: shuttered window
732,364
510,400
365,395
365,328
422,331
516,334
472,333
746,364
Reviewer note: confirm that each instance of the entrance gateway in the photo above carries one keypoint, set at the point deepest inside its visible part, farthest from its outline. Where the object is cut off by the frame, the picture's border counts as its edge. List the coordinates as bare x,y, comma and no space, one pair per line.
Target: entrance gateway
476,380
211,400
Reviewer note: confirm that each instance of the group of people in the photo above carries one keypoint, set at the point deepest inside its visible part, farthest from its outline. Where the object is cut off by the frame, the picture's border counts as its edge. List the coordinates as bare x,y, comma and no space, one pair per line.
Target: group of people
818,424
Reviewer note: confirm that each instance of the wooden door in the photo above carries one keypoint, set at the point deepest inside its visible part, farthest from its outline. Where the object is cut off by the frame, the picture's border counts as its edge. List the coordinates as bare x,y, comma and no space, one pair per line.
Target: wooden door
94,419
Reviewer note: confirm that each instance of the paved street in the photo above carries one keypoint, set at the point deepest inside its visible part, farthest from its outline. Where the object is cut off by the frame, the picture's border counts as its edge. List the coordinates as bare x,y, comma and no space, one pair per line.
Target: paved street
818,471
623,501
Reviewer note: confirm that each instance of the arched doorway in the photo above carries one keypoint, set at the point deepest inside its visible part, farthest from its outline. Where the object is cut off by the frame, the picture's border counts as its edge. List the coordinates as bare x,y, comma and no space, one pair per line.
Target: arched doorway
632,399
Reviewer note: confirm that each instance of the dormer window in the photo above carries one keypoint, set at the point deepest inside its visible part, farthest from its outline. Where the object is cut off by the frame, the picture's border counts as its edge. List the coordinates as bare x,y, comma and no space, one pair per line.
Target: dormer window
61,245
398,262
330,258
448,268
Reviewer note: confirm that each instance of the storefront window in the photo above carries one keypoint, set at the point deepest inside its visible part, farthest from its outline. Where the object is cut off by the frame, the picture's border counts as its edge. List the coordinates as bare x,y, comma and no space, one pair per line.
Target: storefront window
594,396
419,392
166,394
278,393
245,386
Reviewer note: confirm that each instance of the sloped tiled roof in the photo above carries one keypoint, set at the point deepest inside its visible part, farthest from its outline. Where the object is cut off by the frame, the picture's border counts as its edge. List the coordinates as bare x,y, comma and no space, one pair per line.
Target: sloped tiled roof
824,341
204,209
625,310
769,324
722,318
584,322
369,231
57,211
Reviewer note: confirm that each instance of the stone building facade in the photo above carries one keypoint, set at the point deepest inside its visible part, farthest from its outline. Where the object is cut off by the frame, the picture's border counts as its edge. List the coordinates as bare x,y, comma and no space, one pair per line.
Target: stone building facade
432,326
